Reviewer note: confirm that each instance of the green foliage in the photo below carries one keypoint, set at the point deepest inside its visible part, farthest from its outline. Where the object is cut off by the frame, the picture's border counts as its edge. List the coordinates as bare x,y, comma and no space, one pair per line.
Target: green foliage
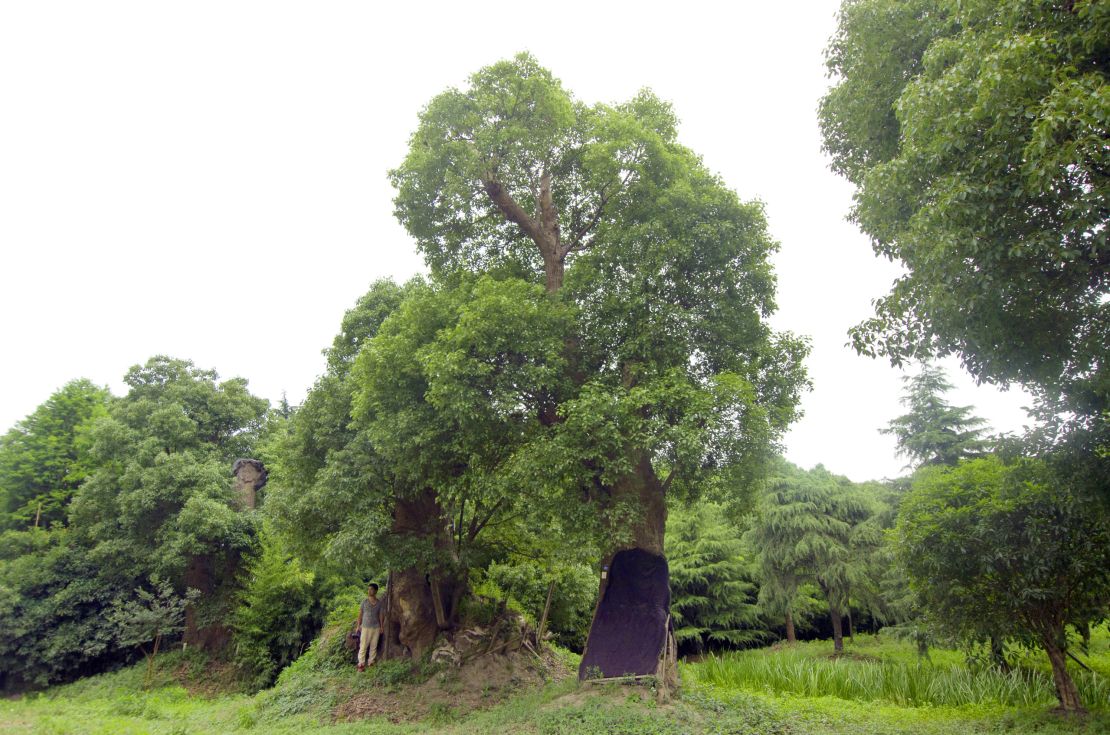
995,548
450,393
277,612
650,354
797,671
933,432
154,496
161,491
117,702
523,584
713,584
44,458
325,494
151,615
975,132
814,527
52,604
1006,550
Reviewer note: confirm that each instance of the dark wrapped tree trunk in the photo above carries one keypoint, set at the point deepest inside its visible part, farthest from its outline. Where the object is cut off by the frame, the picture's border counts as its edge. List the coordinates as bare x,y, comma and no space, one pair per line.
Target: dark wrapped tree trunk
630,631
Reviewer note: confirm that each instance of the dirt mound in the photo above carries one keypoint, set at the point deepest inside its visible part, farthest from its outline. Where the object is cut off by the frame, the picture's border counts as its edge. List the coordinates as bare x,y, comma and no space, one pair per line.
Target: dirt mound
473,668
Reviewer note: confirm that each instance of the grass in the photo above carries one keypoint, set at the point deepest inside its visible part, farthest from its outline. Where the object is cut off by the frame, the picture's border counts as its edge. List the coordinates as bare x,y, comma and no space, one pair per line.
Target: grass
878,687
803,671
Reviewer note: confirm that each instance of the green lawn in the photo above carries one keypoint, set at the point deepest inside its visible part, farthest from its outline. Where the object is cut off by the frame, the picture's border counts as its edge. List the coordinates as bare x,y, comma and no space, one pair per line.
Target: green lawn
878,687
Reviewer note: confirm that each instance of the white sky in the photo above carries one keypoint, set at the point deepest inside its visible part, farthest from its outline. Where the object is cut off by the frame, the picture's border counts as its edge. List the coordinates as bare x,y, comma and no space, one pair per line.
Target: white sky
208,179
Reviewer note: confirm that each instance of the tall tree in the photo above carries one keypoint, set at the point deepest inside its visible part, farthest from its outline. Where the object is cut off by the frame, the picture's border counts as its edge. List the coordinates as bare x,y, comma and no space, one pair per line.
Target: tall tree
976,135
670,371
934,432
42,458
1004,549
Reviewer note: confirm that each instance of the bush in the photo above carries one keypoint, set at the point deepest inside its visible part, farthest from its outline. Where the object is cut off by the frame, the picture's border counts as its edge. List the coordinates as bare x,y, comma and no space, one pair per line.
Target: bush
53,608
523,586
277,614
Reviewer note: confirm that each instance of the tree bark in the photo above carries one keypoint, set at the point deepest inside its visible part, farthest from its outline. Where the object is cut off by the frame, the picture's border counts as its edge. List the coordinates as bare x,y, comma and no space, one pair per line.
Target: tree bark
201,574
415,611
410,624
1066,690
790,636
838,632
998,655
643,491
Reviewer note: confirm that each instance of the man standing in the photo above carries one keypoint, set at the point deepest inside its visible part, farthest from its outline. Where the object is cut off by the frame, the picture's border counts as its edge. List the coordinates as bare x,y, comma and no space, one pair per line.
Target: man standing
370,621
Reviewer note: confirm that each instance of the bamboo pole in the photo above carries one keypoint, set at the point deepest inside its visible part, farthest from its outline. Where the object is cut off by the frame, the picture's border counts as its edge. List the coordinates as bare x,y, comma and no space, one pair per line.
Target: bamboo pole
543,618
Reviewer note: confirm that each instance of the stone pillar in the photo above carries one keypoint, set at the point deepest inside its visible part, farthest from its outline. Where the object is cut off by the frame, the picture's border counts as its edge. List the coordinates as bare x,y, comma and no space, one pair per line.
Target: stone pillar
250,476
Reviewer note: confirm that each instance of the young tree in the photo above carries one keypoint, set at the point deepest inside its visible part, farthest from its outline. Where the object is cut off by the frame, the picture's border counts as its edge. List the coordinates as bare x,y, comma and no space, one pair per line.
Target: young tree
976,135
810,527
993,548
712,583
933,432
670,372
149,617
43,458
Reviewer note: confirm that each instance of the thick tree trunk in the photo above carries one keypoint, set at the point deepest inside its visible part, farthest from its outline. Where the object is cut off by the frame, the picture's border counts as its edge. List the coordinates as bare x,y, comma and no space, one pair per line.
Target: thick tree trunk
790,636
201,575
416,600
838,632
1066,690
642,491
630,628
410,625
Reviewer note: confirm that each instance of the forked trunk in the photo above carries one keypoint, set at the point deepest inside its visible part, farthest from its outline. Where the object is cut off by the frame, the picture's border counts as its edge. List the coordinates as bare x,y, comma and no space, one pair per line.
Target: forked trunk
1066,690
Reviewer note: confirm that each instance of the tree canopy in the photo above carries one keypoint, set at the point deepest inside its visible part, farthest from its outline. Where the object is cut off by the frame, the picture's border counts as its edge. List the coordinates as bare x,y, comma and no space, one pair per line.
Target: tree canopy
933,431
976,135
42,458
994,549
668,370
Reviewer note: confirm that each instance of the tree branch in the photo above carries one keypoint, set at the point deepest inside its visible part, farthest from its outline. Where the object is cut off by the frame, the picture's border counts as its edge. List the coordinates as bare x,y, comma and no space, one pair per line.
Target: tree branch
478,529
512,211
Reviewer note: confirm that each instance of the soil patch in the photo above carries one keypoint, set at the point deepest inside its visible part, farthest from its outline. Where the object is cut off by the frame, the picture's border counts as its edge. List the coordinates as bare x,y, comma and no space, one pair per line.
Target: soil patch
479,682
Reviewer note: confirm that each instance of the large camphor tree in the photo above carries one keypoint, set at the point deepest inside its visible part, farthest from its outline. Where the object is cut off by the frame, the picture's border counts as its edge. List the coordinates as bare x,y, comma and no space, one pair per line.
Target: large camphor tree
655,282
975,132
